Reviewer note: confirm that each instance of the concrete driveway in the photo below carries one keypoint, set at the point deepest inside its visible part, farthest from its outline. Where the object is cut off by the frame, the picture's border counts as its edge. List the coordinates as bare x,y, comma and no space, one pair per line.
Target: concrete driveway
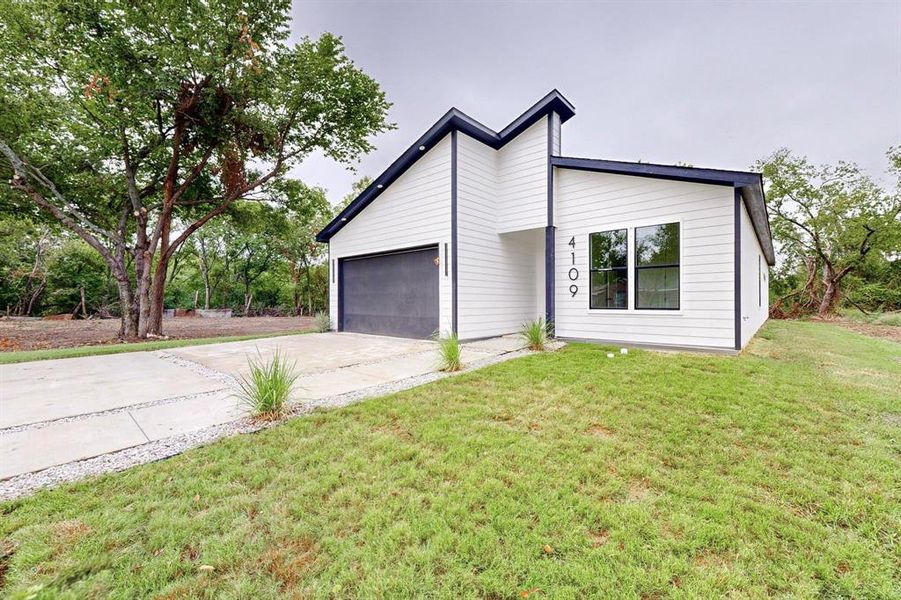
60,411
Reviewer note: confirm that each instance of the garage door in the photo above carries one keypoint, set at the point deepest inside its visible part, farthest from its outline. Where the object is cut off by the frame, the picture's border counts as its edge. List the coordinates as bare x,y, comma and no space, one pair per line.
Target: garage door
395,293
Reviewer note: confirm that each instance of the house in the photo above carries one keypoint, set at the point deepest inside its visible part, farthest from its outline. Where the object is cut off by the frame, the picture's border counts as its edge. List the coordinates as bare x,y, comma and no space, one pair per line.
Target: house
476,231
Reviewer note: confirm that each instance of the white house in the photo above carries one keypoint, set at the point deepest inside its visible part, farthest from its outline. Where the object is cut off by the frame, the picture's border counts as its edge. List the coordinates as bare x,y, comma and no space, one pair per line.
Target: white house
475,231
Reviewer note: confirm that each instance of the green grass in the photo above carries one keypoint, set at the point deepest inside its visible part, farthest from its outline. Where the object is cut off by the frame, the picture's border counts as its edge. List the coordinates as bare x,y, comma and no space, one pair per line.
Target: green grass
266,389
773,473
29,355
892,318
534,333
449,354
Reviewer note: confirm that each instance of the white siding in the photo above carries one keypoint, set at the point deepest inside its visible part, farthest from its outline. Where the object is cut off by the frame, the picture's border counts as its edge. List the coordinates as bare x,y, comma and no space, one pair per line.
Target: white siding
497,279
413,211
588,202
755,305
522,180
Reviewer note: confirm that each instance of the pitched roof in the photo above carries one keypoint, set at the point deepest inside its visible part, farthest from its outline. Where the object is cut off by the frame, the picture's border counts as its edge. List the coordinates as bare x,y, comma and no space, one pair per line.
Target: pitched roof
750,185
452,120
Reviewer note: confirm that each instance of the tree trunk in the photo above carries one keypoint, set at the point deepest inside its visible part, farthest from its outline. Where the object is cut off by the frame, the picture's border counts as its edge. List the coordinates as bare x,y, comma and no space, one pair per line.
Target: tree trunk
157,295
84,306
144,284
830,294
128,318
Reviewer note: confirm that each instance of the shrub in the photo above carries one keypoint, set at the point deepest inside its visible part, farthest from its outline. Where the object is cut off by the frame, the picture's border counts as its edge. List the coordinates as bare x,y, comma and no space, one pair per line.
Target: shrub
449,353
322,322
266,390
535,333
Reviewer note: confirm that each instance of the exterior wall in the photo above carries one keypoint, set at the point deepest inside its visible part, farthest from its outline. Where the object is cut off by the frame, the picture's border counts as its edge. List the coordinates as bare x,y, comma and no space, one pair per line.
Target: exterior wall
755,305
522,180
588,202
413,211
496,274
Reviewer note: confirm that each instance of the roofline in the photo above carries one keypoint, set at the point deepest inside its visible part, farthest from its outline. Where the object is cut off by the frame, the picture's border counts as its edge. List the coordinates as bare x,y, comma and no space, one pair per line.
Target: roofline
452,120
658,171
749,183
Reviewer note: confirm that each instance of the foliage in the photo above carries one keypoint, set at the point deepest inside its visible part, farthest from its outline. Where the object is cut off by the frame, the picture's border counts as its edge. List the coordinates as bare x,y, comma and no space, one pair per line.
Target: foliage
828,221
24,245
72,268
265,391
133,125
772,473
323,322
449,353
356,189
535,334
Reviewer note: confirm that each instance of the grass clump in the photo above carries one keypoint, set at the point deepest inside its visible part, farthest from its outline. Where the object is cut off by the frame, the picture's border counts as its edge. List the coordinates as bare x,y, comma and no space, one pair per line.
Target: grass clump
535,333
449,353
266,389
322,322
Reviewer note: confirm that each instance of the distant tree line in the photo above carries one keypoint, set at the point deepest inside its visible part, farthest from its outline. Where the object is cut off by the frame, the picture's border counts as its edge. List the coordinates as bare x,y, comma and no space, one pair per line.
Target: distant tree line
258,258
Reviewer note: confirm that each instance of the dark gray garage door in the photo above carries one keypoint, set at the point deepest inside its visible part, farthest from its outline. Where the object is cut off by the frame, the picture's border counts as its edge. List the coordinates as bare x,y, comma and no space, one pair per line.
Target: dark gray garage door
391,294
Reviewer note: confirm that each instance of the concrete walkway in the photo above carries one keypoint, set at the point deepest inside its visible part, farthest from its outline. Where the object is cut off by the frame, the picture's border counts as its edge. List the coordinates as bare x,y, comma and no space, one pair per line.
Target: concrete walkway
57,412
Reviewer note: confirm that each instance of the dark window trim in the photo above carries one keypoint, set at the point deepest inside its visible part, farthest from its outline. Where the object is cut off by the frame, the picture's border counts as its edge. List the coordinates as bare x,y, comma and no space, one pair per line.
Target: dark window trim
677,265
591,270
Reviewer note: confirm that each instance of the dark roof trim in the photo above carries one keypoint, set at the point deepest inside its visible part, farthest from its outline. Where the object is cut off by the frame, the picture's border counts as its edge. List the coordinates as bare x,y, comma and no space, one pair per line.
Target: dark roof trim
750,184
453,120
693,174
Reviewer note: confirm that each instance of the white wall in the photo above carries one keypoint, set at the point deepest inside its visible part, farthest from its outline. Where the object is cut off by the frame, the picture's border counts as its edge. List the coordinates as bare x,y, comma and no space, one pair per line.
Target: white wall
413,211
587,202
496,274
522,180
755,278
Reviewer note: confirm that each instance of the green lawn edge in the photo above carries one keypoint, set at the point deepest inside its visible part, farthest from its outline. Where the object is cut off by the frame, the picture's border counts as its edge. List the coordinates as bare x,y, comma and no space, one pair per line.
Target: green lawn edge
7,358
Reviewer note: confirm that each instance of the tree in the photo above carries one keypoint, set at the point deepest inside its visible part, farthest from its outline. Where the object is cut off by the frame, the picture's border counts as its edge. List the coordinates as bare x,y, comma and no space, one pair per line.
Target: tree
122,119
78,280
355,190
308,211
828,219
24,246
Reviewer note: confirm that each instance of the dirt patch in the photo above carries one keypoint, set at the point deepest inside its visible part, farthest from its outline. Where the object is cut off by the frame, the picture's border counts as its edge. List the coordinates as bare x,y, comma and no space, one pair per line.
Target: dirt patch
7,548
598,538
289,560
40,334
888,332
69,530
600,431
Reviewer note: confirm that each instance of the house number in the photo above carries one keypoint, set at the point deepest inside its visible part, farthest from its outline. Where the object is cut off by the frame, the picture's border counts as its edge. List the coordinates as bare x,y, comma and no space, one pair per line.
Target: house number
573,271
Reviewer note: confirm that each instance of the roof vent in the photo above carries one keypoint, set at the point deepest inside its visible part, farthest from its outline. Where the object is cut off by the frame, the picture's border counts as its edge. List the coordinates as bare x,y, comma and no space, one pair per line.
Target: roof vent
422,148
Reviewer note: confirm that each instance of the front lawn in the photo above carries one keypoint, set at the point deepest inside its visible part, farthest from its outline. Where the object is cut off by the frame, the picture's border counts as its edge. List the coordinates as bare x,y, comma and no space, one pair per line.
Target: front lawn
556,475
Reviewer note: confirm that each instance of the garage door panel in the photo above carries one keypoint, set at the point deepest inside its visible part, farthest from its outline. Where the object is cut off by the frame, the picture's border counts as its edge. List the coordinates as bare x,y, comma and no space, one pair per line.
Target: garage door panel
391,294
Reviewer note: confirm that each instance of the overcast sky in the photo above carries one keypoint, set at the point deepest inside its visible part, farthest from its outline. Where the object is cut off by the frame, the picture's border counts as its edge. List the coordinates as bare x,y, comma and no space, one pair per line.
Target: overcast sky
711,84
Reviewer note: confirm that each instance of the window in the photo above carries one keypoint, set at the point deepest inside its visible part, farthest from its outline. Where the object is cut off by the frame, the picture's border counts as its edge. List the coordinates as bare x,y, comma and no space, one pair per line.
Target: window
657,267
759,282
608,269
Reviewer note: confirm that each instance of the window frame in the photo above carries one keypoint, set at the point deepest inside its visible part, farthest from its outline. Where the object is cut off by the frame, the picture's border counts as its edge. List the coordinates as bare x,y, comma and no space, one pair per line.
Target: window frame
636,267
591,268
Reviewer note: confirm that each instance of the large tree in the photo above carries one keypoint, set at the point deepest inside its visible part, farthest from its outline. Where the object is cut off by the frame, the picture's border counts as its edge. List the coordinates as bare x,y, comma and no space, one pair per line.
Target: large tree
134,124
827,220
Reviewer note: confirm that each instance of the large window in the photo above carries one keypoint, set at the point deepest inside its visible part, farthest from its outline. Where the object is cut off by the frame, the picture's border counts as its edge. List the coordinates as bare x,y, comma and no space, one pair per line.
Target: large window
657,267
609,270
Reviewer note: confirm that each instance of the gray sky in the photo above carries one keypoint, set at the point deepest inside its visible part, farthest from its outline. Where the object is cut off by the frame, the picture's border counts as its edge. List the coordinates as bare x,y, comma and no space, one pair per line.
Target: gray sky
712,84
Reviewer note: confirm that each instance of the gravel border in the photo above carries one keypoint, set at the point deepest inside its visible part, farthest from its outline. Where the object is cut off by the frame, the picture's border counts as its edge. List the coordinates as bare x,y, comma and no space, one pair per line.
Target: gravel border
28,483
